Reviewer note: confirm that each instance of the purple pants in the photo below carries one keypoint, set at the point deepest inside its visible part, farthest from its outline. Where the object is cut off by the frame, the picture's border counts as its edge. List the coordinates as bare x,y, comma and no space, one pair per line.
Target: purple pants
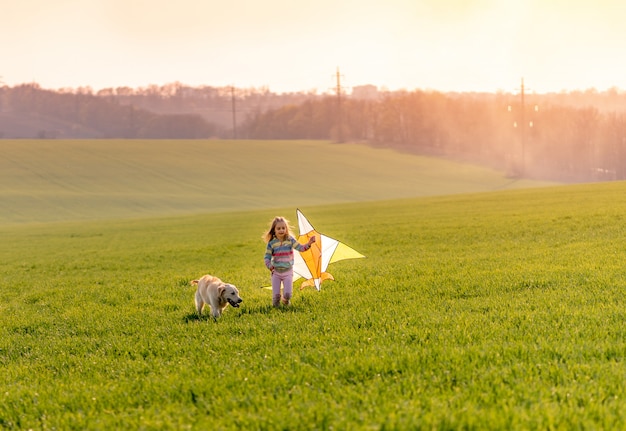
286,278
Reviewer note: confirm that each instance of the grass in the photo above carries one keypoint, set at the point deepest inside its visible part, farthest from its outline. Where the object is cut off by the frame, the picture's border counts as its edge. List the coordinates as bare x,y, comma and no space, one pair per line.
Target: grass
499,310
45,181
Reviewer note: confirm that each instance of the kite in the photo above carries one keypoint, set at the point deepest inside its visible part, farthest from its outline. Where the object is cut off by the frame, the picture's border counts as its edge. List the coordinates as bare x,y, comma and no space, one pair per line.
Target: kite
312,263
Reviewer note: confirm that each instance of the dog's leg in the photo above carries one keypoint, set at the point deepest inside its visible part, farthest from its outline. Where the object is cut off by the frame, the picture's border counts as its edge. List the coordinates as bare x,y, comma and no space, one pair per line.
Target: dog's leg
199,302
216,310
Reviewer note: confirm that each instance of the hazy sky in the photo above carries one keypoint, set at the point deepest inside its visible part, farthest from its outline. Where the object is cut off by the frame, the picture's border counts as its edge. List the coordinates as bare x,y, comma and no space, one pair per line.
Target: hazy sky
297,45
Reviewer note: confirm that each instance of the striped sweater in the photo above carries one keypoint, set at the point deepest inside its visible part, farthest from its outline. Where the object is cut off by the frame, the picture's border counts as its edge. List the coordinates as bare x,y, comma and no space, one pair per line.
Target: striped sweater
279,254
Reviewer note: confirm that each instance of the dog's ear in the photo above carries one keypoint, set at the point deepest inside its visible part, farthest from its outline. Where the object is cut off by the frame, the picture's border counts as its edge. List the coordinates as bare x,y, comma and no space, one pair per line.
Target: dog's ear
220,289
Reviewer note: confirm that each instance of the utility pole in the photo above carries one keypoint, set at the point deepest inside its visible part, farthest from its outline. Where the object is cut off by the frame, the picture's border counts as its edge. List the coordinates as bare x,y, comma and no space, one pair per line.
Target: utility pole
522,127
339,117
1,94
232,96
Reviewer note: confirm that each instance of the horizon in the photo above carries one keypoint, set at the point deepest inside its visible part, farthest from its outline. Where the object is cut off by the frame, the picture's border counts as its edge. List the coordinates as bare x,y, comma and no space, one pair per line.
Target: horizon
448,46
329,92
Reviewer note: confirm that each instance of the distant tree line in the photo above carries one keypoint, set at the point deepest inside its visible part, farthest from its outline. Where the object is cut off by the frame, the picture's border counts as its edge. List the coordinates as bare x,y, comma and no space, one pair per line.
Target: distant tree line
575,136
579,136
169,111
81,114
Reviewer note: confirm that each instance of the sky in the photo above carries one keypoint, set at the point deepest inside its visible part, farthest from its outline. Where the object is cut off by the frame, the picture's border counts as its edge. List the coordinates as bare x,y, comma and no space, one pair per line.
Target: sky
300,45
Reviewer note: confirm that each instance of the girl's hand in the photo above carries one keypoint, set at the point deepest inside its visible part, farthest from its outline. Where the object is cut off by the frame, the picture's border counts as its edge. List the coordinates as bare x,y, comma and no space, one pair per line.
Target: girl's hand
311,240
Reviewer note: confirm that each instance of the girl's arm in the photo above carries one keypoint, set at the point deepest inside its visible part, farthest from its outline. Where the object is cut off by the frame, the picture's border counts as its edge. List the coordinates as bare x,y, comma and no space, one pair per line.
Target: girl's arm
268,257
302,247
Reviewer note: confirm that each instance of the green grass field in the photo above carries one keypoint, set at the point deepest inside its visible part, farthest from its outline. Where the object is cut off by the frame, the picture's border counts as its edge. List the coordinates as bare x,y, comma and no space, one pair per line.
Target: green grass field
493,310
61,180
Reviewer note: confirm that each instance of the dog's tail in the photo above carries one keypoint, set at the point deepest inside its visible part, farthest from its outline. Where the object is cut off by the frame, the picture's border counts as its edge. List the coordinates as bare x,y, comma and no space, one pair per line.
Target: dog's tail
194,282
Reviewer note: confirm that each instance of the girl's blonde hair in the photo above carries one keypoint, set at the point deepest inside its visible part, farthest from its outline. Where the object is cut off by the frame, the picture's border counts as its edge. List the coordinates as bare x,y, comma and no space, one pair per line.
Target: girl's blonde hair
271,233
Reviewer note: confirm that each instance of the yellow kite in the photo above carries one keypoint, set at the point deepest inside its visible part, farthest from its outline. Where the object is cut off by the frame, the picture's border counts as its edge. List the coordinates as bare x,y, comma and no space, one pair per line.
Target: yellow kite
311,264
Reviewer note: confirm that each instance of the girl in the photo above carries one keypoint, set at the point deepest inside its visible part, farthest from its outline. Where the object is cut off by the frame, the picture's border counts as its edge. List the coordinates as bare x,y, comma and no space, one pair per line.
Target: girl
279,258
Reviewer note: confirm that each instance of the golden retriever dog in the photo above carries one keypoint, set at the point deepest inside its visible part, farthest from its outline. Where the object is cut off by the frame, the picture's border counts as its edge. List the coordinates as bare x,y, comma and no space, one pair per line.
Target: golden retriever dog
213,291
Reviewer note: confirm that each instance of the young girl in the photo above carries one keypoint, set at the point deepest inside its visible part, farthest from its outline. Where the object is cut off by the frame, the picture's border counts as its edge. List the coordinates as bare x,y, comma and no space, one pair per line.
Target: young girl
279,258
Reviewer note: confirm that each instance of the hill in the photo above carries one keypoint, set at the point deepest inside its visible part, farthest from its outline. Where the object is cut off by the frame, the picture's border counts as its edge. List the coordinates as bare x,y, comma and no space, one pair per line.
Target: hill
563,138
60,180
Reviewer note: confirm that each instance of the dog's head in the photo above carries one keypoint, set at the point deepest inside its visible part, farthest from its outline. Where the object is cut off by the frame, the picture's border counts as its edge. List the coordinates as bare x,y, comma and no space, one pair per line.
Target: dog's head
229,293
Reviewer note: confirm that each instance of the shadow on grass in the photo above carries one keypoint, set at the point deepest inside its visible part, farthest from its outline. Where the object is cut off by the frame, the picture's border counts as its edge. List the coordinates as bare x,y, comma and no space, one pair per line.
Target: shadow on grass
195,317
268,309
260,309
